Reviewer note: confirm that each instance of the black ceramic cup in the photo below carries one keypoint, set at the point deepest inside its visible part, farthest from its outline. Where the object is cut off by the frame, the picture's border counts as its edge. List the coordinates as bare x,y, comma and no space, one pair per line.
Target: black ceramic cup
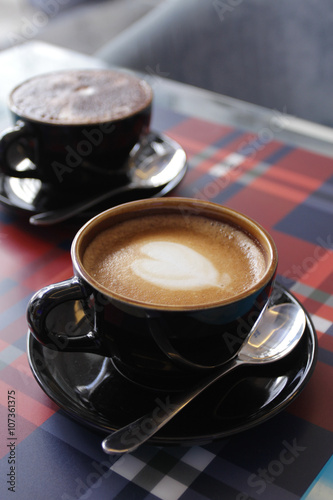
72,128
153,344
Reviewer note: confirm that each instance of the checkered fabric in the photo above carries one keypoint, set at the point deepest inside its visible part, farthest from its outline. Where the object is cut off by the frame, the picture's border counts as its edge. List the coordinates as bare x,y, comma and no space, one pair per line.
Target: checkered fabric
290,192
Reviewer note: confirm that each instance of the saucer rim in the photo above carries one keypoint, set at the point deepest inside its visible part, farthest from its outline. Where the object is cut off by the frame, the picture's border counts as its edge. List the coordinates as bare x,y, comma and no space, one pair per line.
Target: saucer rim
162,440
22,210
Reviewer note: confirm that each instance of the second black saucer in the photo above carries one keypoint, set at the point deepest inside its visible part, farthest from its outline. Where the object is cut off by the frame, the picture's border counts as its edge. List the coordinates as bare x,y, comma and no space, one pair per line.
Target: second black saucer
27,197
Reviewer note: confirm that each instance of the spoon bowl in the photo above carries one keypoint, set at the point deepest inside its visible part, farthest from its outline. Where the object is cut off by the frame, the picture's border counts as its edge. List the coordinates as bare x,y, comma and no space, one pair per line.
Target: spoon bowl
274,336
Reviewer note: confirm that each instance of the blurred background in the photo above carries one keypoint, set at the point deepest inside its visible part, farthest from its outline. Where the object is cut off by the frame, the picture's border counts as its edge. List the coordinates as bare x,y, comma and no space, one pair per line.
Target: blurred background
276,54
82,25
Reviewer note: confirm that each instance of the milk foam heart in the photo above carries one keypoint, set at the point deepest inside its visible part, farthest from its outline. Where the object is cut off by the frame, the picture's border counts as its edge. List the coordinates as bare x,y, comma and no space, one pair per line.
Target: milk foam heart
169,259
177,267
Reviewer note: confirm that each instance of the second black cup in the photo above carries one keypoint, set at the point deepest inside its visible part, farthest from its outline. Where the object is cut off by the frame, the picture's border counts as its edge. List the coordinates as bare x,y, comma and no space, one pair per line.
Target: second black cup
74,126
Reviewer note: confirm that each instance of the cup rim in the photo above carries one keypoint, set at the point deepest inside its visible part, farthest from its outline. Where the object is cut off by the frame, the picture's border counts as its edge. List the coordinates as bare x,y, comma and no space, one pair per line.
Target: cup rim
14,108
146,205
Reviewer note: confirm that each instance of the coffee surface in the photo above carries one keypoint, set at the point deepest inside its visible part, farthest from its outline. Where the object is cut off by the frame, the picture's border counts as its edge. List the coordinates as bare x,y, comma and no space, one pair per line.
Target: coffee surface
81,97
174,260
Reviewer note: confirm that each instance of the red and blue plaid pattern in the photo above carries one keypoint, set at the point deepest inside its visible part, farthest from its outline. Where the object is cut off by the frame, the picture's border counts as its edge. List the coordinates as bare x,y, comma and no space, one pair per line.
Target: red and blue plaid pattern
290,192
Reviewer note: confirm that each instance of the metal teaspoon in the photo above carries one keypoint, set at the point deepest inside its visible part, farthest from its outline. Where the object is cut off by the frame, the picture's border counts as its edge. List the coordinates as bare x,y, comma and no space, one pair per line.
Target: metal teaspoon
274,336
165,166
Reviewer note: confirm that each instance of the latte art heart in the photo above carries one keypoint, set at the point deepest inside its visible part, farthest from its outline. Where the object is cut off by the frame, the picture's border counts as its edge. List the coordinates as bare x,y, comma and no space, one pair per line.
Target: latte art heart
169,259
177,267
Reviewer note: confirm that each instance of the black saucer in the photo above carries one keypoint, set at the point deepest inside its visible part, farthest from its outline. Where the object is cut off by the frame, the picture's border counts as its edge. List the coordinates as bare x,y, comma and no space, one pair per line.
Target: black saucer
27,197
90,390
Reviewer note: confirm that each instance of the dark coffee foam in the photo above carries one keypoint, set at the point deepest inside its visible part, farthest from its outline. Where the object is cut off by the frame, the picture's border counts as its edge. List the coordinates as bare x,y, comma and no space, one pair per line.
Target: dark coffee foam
175,260
81,97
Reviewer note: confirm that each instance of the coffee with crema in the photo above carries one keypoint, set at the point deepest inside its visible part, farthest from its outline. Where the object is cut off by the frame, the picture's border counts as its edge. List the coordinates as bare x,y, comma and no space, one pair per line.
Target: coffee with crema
172,260
81,97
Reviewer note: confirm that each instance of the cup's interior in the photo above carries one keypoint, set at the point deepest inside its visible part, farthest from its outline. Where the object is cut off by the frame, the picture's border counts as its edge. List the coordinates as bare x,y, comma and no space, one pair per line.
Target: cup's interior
80,97
185,207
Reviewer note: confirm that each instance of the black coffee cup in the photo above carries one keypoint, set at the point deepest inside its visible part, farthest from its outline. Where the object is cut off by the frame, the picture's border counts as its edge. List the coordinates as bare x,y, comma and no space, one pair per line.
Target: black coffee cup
72,128
156,345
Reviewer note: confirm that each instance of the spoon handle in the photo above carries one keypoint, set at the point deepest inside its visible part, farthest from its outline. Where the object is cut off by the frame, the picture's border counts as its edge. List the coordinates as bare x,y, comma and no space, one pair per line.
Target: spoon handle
131,436
55,216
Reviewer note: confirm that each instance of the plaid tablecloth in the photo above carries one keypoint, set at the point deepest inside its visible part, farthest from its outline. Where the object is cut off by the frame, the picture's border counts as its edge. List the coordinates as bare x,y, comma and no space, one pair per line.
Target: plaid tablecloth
290,192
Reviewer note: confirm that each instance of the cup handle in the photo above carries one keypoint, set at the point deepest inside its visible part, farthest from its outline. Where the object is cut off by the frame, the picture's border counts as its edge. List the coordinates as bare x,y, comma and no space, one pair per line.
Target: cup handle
44,301
9,137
